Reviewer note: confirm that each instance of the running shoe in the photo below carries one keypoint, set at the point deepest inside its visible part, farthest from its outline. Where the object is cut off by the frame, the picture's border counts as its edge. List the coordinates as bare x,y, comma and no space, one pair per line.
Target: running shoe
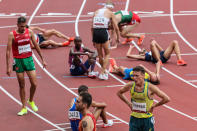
66,43
127,40
181,63
109,123
33,106
92,74
141,39
71,39
103,76
22,112
112,62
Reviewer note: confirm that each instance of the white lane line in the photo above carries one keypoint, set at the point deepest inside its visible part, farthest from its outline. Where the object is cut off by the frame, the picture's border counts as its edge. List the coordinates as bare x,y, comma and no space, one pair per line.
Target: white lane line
29,22
187,11
99,86
176,29
36,114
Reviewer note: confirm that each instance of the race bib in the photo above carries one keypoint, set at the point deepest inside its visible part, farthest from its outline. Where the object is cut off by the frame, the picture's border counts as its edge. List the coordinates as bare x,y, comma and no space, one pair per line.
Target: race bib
101,22
73,115
24,49
125,12
139,106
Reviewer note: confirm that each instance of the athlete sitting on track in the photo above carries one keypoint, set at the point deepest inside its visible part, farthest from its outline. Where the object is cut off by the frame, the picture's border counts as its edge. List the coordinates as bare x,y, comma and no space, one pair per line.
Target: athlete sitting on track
77,67
43,37
75,116
127,21
141,101
158,54
153,77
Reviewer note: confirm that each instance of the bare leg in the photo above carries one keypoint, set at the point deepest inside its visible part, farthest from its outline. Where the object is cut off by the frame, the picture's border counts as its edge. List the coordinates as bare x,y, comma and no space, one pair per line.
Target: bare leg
50,42
100,55
102,113
21,81
107,54
52,32
174,46
33,81
126,31
155,51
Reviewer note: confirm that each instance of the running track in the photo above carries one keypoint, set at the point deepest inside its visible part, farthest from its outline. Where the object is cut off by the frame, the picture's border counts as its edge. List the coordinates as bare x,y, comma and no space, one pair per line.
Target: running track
52,96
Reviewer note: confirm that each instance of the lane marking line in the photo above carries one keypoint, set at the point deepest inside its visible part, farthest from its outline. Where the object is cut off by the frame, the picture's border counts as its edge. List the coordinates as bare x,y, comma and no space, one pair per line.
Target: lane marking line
111,86
36,114
193,81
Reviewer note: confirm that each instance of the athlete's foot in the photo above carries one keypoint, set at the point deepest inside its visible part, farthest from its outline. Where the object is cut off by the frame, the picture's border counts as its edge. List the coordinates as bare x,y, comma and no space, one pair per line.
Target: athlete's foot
109,123
66,43
141,39
127,40
22,112
181,63
71,39
33,106
92,74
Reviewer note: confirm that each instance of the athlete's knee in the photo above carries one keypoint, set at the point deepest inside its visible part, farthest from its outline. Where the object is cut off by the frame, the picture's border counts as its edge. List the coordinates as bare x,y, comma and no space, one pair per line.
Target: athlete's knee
153,43
175,42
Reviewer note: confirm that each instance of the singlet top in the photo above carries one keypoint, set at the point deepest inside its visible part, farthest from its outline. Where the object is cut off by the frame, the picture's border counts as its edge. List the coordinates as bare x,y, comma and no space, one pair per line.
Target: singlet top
126,16
93,119
21,47
141,102
100,21
73,114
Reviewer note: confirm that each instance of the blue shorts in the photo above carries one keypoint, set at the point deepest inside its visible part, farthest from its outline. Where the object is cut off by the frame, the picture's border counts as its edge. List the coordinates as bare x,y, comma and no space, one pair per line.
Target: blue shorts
77,70
40,38
127,73
149,57
74,124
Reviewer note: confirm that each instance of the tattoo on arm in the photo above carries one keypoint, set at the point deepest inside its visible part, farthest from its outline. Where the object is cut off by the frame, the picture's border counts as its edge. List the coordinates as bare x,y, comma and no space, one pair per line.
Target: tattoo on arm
84,124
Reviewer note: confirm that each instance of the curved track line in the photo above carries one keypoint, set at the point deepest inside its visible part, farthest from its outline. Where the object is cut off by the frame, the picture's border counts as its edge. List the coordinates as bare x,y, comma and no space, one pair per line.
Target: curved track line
36,114
77,34
176,29
47,121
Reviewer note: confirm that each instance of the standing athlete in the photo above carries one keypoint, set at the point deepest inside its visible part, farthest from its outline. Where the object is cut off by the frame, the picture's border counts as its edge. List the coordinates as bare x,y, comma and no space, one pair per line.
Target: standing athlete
101,19
141,104
19,41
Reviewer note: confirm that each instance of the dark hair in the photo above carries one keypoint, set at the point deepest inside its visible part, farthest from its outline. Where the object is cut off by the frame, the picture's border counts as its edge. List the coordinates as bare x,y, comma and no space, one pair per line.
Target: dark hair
86,98
82,88
21,19
77,38
139,69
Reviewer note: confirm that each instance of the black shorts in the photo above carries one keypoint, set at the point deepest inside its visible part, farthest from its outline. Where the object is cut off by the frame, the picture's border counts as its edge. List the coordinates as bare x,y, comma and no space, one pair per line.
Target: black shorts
40,38
149,57
100,35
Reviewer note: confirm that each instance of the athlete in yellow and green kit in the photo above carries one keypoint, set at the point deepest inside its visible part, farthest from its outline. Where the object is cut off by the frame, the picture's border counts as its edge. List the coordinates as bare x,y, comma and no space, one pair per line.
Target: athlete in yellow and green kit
141,104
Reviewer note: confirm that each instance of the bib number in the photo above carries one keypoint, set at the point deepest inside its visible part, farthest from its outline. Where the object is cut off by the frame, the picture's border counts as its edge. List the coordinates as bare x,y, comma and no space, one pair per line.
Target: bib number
139,106
24,49
73,115
125,12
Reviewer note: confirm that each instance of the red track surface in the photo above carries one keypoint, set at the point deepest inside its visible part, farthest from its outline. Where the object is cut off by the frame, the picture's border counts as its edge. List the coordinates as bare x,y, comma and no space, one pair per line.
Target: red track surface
53,99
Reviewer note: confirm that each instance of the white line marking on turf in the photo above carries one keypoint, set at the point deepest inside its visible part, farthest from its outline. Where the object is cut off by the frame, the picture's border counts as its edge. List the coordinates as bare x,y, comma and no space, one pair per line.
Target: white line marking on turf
36,114
193,81
187,11
100,86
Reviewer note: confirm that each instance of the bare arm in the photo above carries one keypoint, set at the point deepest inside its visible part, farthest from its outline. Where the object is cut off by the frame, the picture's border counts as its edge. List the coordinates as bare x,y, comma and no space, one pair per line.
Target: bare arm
164,97
72,52
115,26
36,46
8,53
121,95
87,124
129,55
94,53
97,104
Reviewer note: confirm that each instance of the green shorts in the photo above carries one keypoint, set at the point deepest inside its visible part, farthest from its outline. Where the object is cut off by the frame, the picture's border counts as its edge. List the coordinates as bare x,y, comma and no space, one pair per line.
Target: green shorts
141,124
25,64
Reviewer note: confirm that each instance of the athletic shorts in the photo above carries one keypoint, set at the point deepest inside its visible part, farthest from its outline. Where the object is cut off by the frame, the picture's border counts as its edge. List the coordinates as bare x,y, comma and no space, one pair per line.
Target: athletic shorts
127,73
149,57
141,124
74,124
77,70
100,35
40,38
135,18
25,64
